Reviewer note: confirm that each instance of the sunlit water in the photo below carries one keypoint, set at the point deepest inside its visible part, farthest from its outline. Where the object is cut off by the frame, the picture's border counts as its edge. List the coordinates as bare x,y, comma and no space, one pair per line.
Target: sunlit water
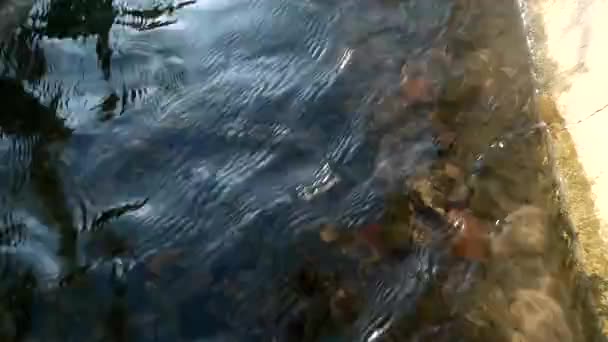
277,170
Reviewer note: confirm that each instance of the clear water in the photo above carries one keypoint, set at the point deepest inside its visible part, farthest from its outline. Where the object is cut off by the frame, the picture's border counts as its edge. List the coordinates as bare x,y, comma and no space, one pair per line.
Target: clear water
278,170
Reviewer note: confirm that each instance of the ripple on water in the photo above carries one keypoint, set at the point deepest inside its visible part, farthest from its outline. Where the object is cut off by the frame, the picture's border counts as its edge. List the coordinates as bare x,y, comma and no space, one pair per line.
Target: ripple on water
27,245
227,138
228,92
228,135
16,160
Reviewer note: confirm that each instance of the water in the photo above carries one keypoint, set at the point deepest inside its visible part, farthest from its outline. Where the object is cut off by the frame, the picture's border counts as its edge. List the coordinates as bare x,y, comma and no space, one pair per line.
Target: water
275,170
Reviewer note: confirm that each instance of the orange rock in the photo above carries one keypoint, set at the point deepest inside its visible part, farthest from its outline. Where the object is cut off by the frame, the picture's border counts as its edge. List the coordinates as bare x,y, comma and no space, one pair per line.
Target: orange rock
163,259
328,233
446,139
471,241
371,234
417,90
453,171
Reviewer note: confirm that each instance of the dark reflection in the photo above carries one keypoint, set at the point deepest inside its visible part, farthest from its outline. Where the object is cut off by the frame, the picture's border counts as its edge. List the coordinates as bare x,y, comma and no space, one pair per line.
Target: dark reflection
17,300
84,18
116,320
147,19
22,55
49,186
24,116
28,128
33,128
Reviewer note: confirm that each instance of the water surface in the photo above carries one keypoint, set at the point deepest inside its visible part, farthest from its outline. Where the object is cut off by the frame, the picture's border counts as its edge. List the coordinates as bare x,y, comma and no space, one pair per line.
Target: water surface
276,170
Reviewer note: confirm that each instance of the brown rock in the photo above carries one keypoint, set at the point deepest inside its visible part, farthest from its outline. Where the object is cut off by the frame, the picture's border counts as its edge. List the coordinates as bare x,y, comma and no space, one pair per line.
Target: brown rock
453,171
157,263
471,242
417,90
344,306
328,233
446,139
524,232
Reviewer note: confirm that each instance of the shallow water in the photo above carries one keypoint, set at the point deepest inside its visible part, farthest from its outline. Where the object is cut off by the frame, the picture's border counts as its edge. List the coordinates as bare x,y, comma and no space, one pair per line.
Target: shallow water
276,170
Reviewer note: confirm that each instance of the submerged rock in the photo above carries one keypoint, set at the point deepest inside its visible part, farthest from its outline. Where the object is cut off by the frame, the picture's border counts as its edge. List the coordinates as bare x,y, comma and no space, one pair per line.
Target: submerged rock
471,241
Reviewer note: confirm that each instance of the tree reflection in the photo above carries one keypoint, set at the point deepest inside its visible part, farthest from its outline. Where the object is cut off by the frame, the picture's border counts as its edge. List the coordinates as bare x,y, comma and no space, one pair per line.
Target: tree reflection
84,18
16,304
29,127
26,117
22,55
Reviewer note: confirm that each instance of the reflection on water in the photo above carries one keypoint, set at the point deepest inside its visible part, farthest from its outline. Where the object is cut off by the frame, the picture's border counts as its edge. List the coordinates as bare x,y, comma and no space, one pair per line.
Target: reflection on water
276,170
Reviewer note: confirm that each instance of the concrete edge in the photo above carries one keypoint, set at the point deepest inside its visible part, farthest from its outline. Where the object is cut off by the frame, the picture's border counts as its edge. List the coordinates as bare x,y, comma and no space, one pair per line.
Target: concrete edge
566,70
